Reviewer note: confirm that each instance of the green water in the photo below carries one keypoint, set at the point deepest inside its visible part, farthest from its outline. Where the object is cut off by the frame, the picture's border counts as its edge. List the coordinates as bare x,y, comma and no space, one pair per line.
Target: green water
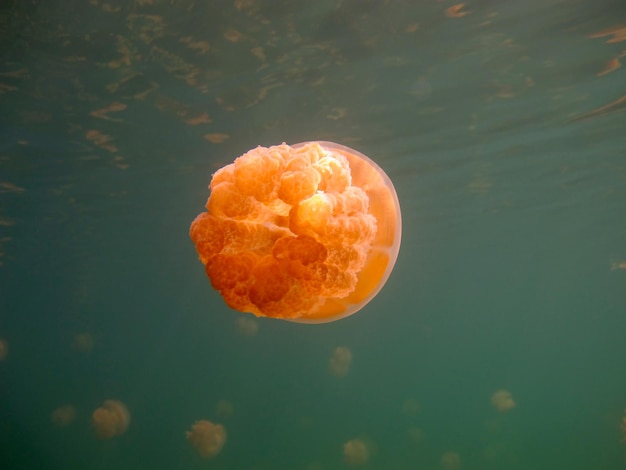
502,126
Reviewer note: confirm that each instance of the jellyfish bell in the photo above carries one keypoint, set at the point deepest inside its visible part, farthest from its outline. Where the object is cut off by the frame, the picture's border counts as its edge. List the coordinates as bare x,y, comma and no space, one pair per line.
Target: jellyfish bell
4,349
247,326
502,400
416,434
450,461
207,438
410,406
64,415
110,420
307,233
224,408
339,363
356,452
83,342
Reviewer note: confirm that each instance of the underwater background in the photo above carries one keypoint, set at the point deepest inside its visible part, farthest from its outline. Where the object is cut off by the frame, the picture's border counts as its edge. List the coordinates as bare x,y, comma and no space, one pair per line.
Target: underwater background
502,126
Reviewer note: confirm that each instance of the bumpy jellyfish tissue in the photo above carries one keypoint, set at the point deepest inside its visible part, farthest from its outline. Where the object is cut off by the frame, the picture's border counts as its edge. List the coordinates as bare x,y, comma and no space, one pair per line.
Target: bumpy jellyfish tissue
306,233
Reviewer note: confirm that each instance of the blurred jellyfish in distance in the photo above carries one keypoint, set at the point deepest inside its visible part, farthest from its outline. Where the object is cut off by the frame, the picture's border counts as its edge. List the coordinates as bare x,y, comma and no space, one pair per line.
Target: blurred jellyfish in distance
450,461
502,400
307,233
4,349
356,452
64,415
247,326
340,361
410,406
110,420
224,409
83,343
207,438
416,435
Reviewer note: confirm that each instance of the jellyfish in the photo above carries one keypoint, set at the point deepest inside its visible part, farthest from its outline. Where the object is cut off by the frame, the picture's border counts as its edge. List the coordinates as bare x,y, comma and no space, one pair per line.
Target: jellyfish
315,466
502,400
307,233
4,349
64,415
111,419
247,326
83,342
207,438
410,406
224,408
416,435
356,452
450,461
340,361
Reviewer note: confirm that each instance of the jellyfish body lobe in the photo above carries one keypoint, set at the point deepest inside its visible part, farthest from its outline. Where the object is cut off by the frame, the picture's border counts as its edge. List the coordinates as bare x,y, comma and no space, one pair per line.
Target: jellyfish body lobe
207,438
111,419
306,233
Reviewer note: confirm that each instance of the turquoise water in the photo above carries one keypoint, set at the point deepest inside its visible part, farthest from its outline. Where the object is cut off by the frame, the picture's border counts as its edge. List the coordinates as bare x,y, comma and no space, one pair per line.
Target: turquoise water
502,126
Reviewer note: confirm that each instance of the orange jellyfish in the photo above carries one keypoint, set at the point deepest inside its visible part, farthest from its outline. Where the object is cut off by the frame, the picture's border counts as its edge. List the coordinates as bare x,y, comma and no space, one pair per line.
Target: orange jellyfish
224,408
307,233
356,452
207,438
4,349
450,461
410,406
64,415
502,400
416,434
111,419
83,342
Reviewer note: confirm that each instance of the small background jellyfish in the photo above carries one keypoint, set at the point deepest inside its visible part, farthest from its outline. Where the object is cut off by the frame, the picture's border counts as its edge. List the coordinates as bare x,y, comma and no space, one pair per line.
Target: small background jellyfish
207,438
247,326
356,452
502,400
4,349
64,415
339,363
450,461
83,343
224,409
416,435
410,407
110,420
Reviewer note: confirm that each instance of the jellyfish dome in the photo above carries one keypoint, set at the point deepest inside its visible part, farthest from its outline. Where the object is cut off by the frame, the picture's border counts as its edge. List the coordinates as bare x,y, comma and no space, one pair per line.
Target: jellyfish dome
307,233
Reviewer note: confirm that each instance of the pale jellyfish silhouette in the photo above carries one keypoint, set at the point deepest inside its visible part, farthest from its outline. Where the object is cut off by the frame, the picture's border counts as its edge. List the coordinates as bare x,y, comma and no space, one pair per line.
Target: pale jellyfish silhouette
111,419
4,349
502,400
410,406
340,361
207,438
450,461
83,342
356,452
64,415
247,326
416,435
224,408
